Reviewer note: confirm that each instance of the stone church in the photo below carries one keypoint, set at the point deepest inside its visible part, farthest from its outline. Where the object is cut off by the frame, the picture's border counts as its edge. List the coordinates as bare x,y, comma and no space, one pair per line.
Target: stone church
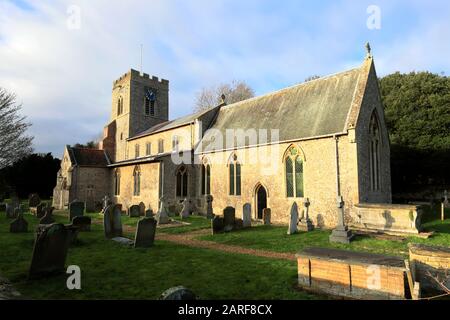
316,140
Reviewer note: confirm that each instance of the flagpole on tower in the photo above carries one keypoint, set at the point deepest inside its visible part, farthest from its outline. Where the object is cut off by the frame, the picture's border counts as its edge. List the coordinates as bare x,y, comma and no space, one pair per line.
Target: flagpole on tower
142,48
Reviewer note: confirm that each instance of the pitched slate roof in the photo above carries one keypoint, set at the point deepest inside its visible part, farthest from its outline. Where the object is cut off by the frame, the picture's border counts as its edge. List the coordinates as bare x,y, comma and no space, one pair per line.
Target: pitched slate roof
88,157
316,108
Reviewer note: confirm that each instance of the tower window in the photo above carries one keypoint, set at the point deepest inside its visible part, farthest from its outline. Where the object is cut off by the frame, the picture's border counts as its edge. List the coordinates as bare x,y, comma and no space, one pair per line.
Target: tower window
149,103
120,106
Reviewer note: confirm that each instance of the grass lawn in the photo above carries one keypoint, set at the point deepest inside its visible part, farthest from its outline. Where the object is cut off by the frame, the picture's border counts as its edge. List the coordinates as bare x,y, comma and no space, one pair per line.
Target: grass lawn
275,239
111,271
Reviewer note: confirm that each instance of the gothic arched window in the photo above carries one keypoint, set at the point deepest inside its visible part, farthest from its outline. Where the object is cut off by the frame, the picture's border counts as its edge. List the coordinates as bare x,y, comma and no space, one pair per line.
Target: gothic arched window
374,152
117,182
206,178
120,106
182,182
294,174
234,176
136,181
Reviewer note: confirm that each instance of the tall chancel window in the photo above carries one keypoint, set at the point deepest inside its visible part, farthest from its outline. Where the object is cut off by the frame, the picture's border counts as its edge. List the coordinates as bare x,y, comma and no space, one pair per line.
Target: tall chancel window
149,103
117,182
234,176
182,182
137,181
293,173
374,152
206,178
120,106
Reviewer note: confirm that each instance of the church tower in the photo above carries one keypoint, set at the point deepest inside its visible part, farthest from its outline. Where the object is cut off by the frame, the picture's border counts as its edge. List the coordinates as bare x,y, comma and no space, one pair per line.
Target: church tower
138,103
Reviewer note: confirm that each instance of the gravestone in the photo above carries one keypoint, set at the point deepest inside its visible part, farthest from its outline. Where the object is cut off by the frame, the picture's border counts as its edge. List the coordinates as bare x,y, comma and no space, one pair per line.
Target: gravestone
145,233
209,209
149,213
134,211
238,224
178,293
76,209
162,216
217,225
293,220
123,241
267,216
40,210
18,225
112,222
83,223
305,222
17,212
341,233
106,203
34,200
9,210
229,215
247,215
186,211
50,250
48,216
142,209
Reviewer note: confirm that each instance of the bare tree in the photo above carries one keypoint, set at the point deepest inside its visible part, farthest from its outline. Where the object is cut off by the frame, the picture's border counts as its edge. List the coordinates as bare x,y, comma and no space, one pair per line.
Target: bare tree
14,142
234,92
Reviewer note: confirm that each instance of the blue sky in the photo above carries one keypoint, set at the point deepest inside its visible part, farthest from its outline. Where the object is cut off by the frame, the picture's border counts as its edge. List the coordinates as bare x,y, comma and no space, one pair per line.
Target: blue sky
64,76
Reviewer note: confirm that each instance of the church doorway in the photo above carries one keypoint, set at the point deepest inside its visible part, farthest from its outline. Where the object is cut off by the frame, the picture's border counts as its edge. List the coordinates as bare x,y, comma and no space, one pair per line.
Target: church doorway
261,201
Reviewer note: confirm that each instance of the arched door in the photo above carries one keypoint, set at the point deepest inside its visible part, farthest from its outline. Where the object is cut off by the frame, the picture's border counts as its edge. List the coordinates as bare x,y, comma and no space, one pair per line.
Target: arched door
261,201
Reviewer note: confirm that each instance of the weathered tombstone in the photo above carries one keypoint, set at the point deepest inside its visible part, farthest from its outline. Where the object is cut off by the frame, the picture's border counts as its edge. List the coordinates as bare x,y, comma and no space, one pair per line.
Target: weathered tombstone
123,241
76,209
238,224
142,209
305,222
178,293
9,211
229,215
145,233
209,209
40,210
83,223
112,222
50,250
247,215
267,216
34,200
293,220
186,211
48,216
217,225
134,211
341,233
162,216
18,225
149,213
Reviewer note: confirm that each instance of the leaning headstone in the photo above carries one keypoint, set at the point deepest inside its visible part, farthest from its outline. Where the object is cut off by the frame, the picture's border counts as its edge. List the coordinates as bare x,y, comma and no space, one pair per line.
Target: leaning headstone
247,215
83,223
267,216
50,250
145,233
48,216
293,220
162,216
18,225
217,225
112,222
40,210
134,211
76,209
142,209
34,200
209,208
229,215
178,293
186,212
305,223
